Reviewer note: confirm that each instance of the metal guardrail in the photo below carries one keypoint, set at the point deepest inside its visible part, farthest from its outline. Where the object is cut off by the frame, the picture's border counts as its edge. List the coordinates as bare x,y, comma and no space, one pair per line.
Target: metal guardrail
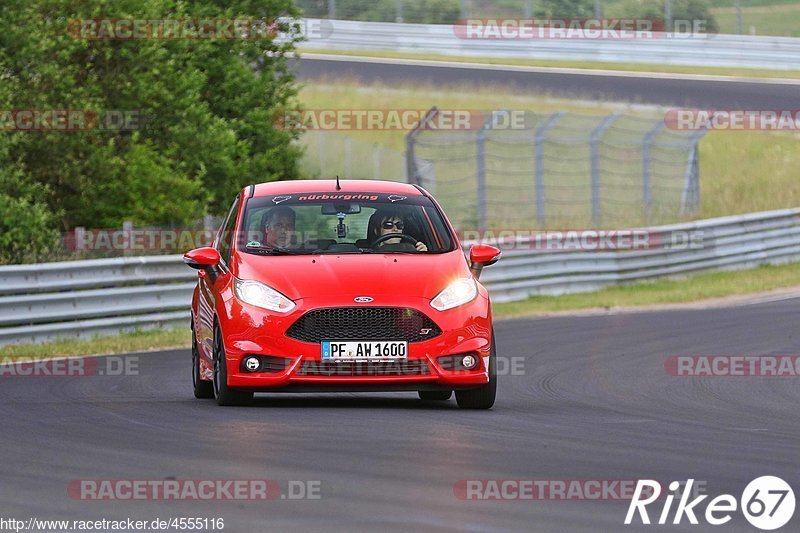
86,298
715,50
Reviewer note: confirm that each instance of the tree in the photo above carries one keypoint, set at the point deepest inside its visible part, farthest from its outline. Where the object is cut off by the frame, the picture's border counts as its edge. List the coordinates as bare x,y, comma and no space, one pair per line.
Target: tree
204,109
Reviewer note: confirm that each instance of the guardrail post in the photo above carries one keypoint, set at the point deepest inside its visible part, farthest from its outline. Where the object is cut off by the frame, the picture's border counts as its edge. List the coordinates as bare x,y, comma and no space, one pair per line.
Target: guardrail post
412,174
538,153
594,160
398,11
647,168
331,9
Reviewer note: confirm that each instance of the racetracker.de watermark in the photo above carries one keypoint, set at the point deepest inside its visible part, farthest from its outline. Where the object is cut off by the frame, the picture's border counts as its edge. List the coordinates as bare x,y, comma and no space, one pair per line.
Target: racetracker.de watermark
65,367
397,119
71,120
733,119
584,240
592,29
137,240
731,366
549,489
194,489
193,29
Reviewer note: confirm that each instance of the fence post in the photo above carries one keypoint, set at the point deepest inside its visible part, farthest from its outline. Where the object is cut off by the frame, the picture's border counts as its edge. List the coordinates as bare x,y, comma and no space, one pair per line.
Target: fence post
480,171
348,158
527,9
80,239
321,152
594,160
331,9
690,197
647,168
538,153
412,176
668,16
738,17
127,229
376,161
398,11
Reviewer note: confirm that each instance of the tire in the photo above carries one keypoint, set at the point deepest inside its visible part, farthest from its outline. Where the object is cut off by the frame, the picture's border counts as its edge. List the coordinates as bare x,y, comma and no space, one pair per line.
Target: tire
202,389
225,395
481,397
435,395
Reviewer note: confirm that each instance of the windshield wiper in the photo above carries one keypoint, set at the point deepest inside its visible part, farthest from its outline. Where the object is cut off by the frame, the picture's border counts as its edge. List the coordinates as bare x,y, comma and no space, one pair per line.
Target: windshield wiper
274,250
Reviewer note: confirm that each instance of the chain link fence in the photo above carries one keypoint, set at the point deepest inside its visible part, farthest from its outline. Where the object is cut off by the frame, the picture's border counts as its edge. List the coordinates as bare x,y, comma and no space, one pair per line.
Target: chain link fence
559,170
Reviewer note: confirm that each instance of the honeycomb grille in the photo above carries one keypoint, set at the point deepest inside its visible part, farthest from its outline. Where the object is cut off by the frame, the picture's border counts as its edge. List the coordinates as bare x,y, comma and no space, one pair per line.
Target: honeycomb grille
364,323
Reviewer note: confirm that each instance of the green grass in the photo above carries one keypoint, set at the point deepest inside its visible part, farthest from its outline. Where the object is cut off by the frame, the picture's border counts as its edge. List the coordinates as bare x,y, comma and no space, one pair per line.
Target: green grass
778,20
625,67
700,287
139,341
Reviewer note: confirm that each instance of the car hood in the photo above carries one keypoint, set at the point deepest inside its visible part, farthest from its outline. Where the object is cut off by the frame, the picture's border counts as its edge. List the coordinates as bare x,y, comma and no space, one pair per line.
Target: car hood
351,275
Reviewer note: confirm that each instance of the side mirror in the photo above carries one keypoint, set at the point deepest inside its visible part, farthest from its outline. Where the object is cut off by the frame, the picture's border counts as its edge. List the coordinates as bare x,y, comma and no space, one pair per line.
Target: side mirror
482,255
202,258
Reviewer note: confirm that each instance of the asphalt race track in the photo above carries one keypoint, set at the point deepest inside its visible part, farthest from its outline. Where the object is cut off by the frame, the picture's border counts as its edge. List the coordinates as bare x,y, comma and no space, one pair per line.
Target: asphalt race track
589,399
702,93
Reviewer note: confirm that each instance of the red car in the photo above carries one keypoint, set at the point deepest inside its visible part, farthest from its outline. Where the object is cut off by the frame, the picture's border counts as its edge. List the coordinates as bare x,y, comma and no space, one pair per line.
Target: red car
323,285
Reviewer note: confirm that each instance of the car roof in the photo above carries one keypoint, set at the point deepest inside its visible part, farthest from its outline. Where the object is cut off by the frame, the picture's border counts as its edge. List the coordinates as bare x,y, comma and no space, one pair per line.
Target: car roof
306,186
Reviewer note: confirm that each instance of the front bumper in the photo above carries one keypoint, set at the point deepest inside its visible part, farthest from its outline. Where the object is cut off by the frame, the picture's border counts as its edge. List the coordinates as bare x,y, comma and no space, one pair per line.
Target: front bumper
249,330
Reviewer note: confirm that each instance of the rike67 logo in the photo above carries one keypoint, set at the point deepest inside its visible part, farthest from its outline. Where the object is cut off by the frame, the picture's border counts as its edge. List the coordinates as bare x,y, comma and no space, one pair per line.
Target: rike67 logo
767,503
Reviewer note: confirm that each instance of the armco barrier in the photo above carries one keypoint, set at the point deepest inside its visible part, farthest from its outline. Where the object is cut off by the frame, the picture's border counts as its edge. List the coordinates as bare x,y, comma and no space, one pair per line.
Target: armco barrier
745,51
85,298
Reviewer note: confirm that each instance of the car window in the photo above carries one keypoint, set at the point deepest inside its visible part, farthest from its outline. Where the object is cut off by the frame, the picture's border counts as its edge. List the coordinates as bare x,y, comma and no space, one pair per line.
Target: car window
325,222
225,242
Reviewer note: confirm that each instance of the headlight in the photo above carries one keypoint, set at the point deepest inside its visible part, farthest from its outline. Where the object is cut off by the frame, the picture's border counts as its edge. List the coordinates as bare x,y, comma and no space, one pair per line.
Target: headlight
259,295
457,293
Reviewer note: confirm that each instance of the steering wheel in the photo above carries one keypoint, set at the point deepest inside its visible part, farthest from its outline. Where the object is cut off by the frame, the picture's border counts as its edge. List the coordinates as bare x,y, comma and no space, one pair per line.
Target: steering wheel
388,236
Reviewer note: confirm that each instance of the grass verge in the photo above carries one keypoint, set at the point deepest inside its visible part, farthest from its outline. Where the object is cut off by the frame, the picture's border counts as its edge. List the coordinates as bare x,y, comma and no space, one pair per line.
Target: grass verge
705,286
138,341
585,65
779,20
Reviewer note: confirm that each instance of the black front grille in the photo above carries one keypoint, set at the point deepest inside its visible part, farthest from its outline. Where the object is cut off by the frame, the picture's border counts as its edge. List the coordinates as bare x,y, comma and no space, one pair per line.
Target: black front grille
364,323
412,367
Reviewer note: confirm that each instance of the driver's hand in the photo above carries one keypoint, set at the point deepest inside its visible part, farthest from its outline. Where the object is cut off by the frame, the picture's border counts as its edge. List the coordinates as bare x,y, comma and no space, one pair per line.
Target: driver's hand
420,246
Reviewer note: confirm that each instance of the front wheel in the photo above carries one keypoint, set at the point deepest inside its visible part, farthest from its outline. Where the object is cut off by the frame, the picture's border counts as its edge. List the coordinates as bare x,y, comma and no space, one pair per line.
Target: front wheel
202,389
481,397
224,394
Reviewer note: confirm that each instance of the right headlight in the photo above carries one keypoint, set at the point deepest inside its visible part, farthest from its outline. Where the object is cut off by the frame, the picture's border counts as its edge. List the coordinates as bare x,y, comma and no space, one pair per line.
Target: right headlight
260,295
459,292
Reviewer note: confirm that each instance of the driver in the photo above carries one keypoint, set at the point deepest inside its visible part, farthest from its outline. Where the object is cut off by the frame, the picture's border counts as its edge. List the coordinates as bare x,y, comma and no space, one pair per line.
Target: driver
386,222
279,227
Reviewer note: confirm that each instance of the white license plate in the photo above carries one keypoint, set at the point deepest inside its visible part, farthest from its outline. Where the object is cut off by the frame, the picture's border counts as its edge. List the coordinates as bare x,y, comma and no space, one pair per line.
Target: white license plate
364,350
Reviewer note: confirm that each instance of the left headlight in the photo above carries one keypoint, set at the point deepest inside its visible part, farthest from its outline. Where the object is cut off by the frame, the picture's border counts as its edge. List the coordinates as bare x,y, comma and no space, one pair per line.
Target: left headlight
260,295
457,293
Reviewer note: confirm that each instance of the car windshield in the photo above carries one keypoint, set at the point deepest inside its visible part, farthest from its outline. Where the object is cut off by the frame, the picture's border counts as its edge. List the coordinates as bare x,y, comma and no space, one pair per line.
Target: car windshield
324,222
